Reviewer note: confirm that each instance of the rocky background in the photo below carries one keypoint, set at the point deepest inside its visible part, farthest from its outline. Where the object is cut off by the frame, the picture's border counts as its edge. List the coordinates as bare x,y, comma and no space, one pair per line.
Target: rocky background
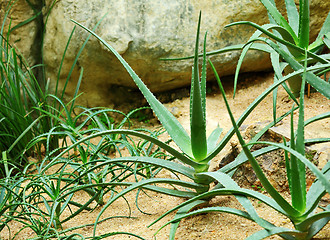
142,31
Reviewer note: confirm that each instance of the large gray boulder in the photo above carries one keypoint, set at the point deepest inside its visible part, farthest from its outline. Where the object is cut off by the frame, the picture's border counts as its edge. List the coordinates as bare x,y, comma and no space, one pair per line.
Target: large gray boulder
143,31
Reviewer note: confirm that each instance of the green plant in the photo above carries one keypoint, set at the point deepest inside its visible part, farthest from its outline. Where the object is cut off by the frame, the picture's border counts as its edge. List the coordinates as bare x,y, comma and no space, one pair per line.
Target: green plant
38,201
196,150
31,116
19,93
286,44
24,99
302,211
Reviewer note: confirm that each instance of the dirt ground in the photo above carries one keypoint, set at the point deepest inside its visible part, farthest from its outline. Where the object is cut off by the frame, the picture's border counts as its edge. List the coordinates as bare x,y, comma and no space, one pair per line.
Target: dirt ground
215,225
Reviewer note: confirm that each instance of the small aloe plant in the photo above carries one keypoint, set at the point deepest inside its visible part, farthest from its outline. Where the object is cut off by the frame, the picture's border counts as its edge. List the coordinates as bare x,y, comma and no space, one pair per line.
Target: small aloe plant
196,147
302,211
288,41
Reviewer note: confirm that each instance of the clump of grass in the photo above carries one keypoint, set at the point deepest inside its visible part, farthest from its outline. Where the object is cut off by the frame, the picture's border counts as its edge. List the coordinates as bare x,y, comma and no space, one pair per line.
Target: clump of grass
36,122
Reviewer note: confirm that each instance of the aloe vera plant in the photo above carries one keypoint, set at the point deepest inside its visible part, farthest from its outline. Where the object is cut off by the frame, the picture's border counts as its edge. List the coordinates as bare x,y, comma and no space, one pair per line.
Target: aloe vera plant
196,149
286,42
304,211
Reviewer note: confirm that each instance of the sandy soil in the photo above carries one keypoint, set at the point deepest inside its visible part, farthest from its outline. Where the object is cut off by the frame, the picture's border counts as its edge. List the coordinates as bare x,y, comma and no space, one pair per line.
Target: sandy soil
207,226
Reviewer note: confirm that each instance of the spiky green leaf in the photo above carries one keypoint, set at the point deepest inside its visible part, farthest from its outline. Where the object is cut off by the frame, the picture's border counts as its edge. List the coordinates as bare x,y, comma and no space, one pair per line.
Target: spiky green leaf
170,123
197,114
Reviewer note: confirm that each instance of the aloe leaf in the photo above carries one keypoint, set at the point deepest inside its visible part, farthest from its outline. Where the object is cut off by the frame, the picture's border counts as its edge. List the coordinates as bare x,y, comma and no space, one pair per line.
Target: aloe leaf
279,19
263,179
197,114
292,47
213,139
241,158
270,17
275,59
286,36
237,47
245,49
288,167
300,202
324,33
171,192
172,166
293,15
239,65
319,84
284,33
181,212
228,191
170,123
209,210
326,39
262,234
316,226
325,27
293,170
227,182
278,69
203,78
303,34
248,110
305,225
316,192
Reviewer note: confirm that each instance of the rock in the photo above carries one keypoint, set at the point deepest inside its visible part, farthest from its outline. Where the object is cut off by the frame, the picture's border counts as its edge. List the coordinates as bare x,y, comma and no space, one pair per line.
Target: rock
142,32
24,37
322,155
272,163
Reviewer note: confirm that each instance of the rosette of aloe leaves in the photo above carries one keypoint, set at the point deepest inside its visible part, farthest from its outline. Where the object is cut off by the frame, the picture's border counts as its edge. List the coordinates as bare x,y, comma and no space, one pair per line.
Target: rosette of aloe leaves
286,42
196,149
304,211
